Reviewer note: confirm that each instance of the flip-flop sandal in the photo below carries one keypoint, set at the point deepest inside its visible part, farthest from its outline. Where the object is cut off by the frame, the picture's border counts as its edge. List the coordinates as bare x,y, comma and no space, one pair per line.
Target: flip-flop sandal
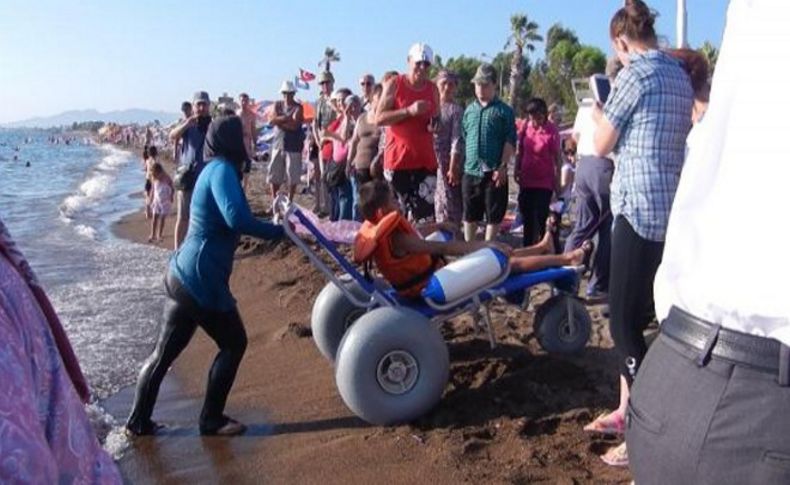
149,429
612,426
230,428
617,456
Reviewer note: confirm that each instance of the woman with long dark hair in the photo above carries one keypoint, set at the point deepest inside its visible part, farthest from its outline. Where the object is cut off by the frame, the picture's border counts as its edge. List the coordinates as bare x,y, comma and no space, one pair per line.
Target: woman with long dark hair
198,283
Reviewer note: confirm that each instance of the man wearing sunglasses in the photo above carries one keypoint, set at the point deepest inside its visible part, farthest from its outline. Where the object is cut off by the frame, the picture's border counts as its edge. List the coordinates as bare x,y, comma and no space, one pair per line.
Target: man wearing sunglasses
366,84
408,106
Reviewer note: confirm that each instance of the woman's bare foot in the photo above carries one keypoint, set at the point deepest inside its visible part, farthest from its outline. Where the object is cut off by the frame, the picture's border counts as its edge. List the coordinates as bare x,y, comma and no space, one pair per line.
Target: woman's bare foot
581,255
547,243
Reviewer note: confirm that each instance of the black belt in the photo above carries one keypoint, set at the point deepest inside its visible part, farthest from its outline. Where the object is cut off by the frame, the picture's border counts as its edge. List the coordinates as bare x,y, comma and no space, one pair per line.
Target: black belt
765,354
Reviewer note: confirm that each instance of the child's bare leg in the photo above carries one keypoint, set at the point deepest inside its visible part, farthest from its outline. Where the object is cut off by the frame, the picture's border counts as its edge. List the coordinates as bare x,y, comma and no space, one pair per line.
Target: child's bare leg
161,226
153,229
525,263
544,246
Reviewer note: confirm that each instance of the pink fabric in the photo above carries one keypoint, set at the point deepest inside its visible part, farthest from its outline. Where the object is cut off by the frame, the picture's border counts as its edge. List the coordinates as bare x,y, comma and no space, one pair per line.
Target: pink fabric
540,147
9,249
339,151
45,435
342,232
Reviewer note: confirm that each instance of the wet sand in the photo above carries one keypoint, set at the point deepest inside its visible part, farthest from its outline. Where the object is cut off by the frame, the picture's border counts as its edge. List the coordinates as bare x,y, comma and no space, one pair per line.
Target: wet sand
511,415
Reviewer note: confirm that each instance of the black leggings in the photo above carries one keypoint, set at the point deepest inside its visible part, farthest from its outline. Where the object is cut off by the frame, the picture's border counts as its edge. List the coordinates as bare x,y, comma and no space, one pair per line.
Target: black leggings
182,317
534,207
633,266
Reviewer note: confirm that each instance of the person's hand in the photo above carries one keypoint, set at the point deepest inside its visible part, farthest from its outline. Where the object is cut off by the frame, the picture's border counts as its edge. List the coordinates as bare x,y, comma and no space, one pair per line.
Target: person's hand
597,113
417,108
453,175
499,177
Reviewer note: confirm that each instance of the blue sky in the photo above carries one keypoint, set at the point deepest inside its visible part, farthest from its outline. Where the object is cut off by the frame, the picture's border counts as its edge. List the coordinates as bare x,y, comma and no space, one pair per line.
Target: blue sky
58,55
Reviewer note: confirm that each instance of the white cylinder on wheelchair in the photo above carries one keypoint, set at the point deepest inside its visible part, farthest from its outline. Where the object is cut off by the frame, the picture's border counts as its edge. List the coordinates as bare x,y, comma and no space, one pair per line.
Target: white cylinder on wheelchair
465,275
440,236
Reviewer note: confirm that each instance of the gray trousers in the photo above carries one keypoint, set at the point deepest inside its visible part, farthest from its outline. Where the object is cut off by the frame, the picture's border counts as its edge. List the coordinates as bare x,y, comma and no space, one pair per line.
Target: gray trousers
593,215
721,423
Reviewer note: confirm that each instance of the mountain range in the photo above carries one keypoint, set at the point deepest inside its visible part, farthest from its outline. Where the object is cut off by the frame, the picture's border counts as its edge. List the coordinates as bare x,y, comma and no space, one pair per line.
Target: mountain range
127,116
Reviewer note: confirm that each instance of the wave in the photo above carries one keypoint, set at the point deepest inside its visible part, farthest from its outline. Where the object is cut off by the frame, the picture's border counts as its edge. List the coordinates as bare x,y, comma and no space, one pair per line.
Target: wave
98,184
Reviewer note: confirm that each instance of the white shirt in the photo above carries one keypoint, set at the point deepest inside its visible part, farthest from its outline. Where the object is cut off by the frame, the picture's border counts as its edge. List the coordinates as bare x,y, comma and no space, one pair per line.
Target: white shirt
584,129
726,258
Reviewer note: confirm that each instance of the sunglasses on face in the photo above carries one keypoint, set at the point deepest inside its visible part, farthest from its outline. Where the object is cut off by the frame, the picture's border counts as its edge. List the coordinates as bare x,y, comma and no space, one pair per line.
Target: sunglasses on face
570,152
423,64
365,83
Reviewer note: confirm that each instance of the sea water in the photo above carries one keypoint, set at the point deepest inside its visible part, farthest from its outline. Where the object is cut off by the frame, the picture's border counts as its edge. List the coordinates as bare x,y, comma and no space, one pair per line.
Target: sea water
107,291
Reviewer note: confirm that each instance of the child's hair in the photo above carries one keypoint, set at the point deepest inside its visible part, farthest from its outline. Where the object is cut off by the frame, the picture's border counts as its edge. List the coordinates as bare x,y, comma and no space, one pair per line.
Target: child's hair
536,106
568,144
157,169
373,196
152,152
635,21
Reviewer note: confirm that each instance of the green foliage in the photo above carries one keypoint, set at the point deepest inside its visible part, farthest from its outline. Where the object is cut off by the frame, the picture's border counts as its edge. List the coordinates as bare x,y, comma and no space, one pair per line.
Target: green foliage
330,55
92,126
711,53
523,35
465,68
558,33
567,59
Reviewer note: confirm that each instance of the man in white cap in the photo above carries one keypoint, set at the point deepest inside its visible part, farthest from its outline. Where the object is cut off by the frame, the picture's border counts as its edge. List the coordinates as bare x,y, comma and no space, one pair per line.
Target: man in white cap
710,402
409,104
286,164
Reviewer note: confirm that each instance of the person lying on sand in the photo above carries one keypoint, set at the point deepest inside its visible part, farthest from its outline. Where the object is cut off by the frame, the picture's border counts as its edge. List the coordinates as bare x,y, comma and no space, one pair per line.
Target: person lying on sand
407,261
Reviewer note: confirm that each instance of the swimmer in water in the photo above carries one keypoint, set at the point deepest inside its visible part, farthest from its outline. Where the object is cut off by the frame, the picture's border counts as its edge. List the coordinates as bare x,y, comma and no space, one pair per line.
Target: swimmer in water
27,164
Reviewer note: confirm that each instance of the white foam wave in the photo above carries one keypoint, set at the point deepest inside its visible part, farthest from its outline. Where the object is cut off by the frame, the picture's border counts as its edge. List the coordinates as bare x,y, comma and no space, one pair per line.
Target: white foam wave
98,183
86,231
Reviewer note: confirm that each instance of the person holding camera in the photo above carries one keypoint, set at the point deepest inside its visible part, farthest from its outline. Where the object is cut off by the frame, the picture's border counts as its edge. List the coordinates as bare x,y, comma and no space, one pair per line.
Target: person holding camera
191,134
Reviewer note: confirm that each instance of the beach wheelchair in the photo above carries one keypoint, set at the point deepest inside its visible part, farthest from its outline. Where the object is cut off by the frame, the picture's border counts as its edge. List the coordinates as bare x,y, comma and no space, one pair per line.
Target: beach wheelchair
391,361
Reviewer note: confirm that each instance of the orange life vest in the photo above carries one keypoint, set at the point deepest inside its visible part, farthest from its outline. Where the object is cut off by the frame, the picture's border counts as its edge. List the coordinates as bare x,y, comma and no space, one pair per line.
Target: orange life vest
408,274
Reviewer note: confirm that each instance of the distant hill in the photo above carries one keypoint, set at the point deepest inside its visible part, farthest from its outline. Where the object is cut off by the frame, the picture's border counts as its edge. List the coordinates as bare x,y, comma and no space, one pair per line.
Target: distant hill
127,116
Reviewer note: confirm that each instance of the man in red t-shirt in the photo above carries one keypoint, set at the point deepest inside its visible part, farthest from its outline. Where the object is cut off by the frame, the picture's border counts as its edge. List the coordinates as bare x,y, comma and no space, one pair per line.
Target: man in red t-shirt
409,105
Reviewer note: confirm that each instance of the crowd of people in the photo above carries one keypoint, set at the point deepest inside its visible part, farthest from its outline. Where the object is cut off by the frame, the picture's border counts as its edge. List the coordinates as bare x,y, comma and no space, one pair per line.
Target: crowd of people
703,405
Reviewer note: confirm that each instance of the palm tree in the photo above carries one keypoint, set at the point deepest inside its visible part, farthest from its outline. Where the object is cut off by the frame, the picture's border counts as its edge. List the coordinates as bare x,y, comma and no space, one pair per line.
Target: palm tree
523,34
330,56
711,53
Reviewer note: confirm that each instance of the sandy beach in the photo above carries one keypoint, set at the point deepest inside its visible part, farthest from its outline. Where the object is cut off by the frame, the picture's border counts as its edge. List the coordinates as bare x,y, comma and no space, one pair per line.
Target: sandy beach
511,415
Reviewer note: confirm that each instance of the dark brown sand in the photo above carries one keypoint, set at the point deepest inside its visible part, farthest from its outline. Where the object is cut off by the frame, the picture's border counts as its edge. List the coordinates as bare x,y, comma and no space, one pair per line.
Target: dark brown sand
511,415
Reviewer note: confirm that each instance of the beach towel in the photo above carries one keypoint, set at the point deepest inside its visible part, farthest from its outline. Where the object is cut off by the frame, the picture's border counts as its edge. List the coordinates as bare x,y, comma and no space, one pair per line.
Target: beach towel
341,232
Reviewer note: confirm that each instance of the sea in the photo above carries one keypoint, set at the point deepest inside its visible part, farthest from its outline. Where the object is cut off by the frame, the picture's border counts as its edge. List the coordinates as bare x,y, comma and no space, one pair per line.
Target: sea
59,202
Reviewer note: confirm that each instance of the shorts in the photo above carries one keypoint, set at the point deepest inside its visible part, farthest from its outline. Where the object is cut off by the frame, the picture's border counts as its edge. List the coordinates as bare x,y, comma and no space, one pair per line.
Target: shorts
247,166
282,160
148,186
481,197
183,199
414,189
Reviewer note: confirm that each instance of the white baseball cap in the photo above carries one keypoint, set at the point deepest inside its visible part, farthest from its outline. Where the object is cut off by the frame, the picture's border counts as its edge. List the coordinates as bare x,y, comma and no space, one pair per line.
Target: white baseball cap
287,87
421,52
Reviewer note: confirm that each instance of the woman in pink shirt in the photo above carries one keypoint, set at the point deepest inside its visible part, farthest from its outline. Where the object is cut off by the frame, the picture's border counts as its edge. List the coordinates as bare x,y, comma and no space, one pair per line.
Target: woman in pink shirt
537,164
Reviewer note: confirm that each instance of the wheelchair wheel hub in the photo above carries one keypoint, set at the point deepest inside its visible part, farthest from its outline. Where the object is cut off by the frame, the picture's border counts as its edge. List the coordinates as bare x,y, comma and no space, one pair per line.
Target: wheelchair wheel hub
397,372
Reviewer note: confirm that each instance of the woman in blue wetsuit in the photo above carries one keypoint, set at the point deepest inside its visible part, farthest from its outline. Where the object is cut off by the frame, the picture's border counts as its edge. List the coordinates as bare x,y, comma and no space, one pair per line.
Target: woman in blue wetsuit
197,283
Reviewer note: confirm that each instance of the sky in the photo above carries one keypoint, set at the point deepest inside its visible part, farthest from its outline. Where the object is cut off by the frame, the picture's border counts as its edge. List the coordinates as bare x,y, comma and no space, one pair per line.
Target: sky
59,55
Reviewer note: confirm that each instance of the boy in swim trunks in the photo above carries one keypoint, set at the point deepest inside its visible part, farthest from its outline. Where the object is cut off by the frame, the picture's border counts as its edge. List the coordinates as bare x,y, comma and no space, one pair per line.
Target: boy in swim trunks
406,260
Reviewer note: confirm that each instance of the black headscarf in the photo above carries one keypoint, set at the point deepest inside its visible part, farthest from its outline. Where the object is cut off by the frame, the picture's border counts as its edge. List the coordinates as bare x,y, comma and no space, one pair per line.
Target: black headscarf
225,139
